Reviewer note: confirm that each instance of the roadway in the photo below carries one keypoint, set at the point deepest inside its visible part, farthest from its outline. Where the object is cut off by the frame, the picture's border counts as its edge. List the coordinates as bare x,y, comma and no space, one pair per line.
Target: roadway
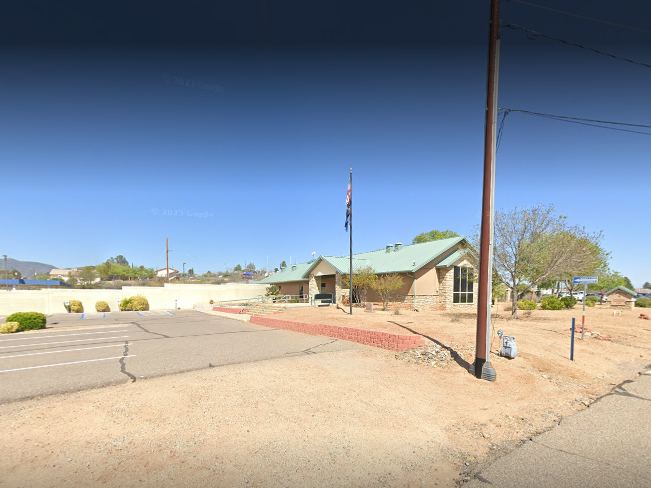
78,352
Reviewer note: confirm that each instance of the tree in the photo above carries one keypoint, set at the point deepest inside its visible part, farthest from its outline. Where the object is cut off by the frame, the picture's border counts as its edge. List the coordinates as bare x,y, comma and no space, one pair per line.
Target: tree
283,265
119,259
250,267
86,276
191,272
434,235
647,285
237,268
609,280
385,285
363,279
533,245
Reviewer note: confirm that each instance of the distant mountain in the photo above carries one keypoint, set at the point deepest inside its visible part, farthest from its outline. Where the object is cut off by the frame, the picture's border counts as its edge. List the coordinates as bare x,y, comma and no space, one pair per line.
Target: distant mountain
26,268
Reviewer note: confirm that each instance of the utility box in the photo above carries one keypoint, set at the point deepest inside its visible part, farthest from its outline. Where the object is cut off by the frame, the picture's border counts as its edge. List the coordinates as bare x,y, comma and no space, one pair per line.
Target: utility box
509,348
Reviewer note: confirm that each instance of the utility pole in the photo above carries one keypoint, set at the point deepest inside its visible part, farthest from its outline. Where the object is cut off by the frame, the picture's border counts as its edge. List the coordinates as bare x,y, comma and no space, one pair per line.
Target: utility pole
482,367
167,260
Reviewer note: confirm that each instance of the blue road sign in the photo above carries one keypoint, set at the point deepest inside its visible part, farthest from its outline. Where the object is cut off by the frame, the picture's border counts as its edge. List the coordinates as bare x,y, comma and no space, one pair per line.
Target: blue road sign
585,280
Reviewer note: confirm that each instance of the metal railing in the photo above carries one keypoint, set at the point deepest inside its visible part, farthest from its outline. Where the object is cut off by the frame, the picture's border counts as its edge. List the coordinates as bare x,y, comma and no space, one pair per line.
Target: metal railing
245,302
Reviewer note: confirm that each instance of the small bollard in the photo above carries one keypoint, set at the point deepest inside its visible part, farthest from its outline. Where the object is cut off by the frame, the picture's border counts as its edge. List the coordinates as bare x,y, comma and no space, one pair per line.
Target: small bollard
572,342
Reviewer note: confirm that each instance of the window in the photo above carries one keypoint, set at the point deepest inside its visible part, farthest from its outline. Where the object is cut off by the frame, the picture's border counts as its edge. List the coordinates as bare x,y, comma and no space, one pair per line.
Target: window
463,281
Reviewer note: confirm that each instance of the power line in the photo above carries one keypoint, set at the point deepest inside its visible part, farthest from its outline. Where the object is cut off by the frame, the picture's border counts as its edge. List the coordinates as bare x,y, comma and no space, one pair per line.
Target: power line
536,34
592,19
611,125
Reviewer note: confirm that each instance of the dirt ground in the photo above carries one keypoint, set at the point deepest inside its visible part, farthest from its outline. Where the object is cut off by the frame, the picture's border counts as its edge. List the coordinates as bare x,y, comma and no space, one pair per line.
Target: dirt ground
367,417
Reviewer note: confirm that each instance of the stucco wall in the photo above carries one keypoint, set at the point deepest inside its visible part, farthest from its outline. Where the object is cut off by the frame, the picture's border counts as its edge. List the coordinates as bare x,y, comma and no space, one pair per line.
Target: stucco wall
50,301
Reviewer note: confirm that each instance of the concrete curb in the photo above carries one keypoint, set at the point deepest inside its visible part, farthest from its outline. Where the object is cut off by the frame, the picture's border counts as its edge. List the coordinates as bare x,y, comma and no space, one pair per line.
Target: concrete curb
230,315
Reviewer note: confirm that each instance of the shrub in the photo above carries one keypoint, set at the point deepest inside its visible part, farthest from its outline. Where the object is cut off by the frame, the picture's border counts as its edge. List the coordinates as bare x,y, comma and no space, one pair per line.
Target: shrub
135,304
643,302
591,301
9,327
102,306
76,306
527,305
568,302
67,306
550,302
272,290
28,320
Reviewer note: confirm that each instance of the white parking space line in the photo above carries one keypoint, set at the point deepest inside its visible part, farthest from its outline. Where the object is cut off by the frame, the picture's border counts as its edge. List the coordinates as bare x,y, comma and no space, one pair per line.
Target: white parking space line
67,335
58,352
65,364
60,342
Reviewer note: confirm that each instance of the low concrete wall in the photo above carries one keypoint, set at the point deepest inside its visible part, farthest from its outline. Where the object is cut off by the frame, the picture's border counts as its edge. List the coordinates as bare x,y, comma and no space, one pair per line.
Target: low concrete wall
49,301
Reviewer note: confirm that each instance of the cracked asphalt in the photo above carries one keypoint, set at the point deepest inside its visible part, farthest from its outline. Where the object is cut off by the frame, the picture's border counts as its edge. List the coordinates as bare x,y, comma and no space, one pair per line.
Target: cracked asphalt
76,353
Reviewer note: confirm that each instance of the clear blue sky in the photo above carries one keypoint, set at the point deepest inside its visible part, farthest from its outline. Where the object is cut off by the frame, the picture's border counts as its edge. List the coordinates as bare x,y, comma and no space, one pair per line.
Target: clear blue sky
103,153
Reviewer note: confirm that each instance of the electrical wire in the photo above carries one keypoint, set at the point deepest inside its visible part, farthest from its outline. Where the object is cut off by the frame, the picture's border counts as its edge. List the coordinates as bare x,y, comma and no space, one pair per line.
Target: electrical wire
623,26
536,34
582,121
506,112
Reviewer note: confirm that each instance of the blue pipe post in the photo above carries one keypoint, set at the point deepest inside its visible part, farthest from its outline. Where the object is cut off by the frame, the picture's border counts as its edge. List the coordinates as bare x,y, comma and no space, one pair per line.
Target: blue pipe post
572,342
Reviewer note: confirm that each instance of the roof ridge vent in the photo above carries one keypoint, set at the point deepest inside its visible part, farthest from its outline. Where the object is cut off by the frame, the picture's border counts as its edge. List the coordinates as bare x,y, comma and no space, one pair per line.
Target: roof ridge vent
398,246
389,247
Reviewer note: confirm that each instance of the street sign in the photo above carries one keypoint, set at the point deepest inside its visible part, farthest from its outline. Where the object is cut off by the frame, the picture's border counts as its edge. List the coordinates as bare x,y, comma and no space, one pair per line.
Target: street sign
585,280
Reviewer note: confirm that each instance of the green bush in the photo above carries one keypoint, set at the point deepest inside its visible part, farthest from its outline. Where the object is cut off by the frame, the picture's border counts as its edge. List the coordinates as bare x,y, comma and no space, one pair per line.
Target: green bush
76,306
643,302
568,302
135,304
102,306
28,320
527,305
591,301
550,302
9,327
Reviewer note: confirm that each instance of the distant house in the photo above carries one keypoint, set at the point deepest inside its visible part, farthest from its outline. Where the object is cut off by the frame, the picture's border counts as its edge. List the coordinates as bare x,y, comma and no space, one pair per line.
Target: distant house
62,273
162,273
436,275
621,297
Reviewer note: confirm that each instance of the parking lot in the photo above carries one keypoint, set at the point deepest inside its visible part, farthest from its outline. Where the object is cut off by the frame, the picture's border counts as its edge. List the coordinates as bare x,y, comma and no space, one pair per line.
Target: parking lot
77,352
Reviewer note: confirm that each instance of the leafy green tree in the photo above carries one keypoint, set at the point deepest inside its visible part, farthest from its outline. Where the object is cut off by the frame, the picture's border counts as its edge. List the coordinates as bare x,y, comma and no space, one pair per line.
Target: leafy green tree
534,245
363,280
609,280
647,285
250,267
86,276
191,272
237,268
386,285
434,235
283,264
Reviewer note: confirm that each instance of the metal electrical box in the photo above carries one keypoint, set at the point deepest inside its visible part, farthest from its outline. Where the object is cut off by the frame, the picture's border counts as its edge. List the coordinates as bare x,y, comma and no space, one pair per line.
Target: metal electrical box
509,348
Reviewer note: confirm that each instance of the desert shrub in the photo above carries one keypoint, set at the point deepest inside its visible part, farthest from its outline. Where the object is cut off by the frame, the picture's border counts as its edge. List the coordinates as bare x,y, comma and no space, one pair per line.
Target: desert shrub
643,302
136,304
102,306
76,306
125,304
568,302
591,301
550,302
527,305
28,320
272,290
9,327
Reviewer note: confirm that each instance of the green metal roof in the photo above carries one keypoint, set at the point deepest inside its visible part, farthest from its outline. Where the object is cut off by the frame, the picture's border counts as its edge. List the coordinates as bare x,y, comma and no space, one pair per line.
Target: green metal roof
406,259
294,272
623,288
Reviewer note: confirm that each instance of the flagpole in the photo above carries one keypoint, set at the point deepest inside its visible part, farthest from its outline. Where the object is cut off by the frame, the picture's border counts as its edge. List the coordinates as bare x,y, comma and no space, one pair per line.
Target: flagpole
350,274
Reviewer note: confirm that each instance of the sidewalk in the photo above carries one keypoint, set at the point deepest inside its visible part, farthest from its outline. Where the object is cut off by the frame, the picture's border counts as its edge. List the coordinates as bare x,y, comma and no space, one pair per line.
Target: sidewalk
607,445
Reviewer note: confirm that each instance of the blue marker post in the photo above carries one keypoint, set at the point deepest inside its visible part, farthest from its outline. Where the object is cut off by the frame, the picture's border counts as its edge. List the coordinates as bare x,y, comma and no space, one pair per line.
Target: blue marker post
572,343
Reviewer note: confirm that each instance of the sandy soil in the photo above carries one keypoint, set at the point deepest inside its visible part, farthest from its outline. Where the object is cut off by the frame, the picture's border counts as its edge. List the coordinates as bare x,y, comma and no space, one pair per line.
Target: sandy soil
357,418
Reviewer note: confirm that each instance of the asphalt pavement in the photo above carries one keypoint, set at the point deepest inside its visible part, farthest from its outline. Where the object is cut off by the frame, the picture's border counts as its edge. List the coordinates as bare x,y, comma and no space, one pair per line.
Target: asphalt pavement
606,445
77,352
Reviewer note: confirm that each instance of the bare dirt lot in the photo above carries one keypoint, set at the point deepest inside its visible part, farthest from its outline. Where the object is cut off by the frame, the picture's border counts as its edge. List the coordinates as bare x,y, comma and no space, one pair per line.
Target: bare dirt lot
358,418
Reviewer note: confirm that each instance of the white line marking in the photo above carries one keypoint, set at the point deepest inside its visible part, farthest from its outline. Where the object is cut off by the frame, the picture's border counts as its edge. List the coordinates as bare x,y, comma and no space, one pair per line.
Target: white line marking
59,342
57,352
81,333
65,364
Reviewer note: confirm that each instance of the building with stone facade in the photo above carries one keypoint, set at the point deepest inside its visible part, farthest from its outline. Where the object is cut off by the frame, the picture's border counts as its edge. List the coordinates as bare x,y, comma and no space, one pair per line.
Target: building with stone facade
437,275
